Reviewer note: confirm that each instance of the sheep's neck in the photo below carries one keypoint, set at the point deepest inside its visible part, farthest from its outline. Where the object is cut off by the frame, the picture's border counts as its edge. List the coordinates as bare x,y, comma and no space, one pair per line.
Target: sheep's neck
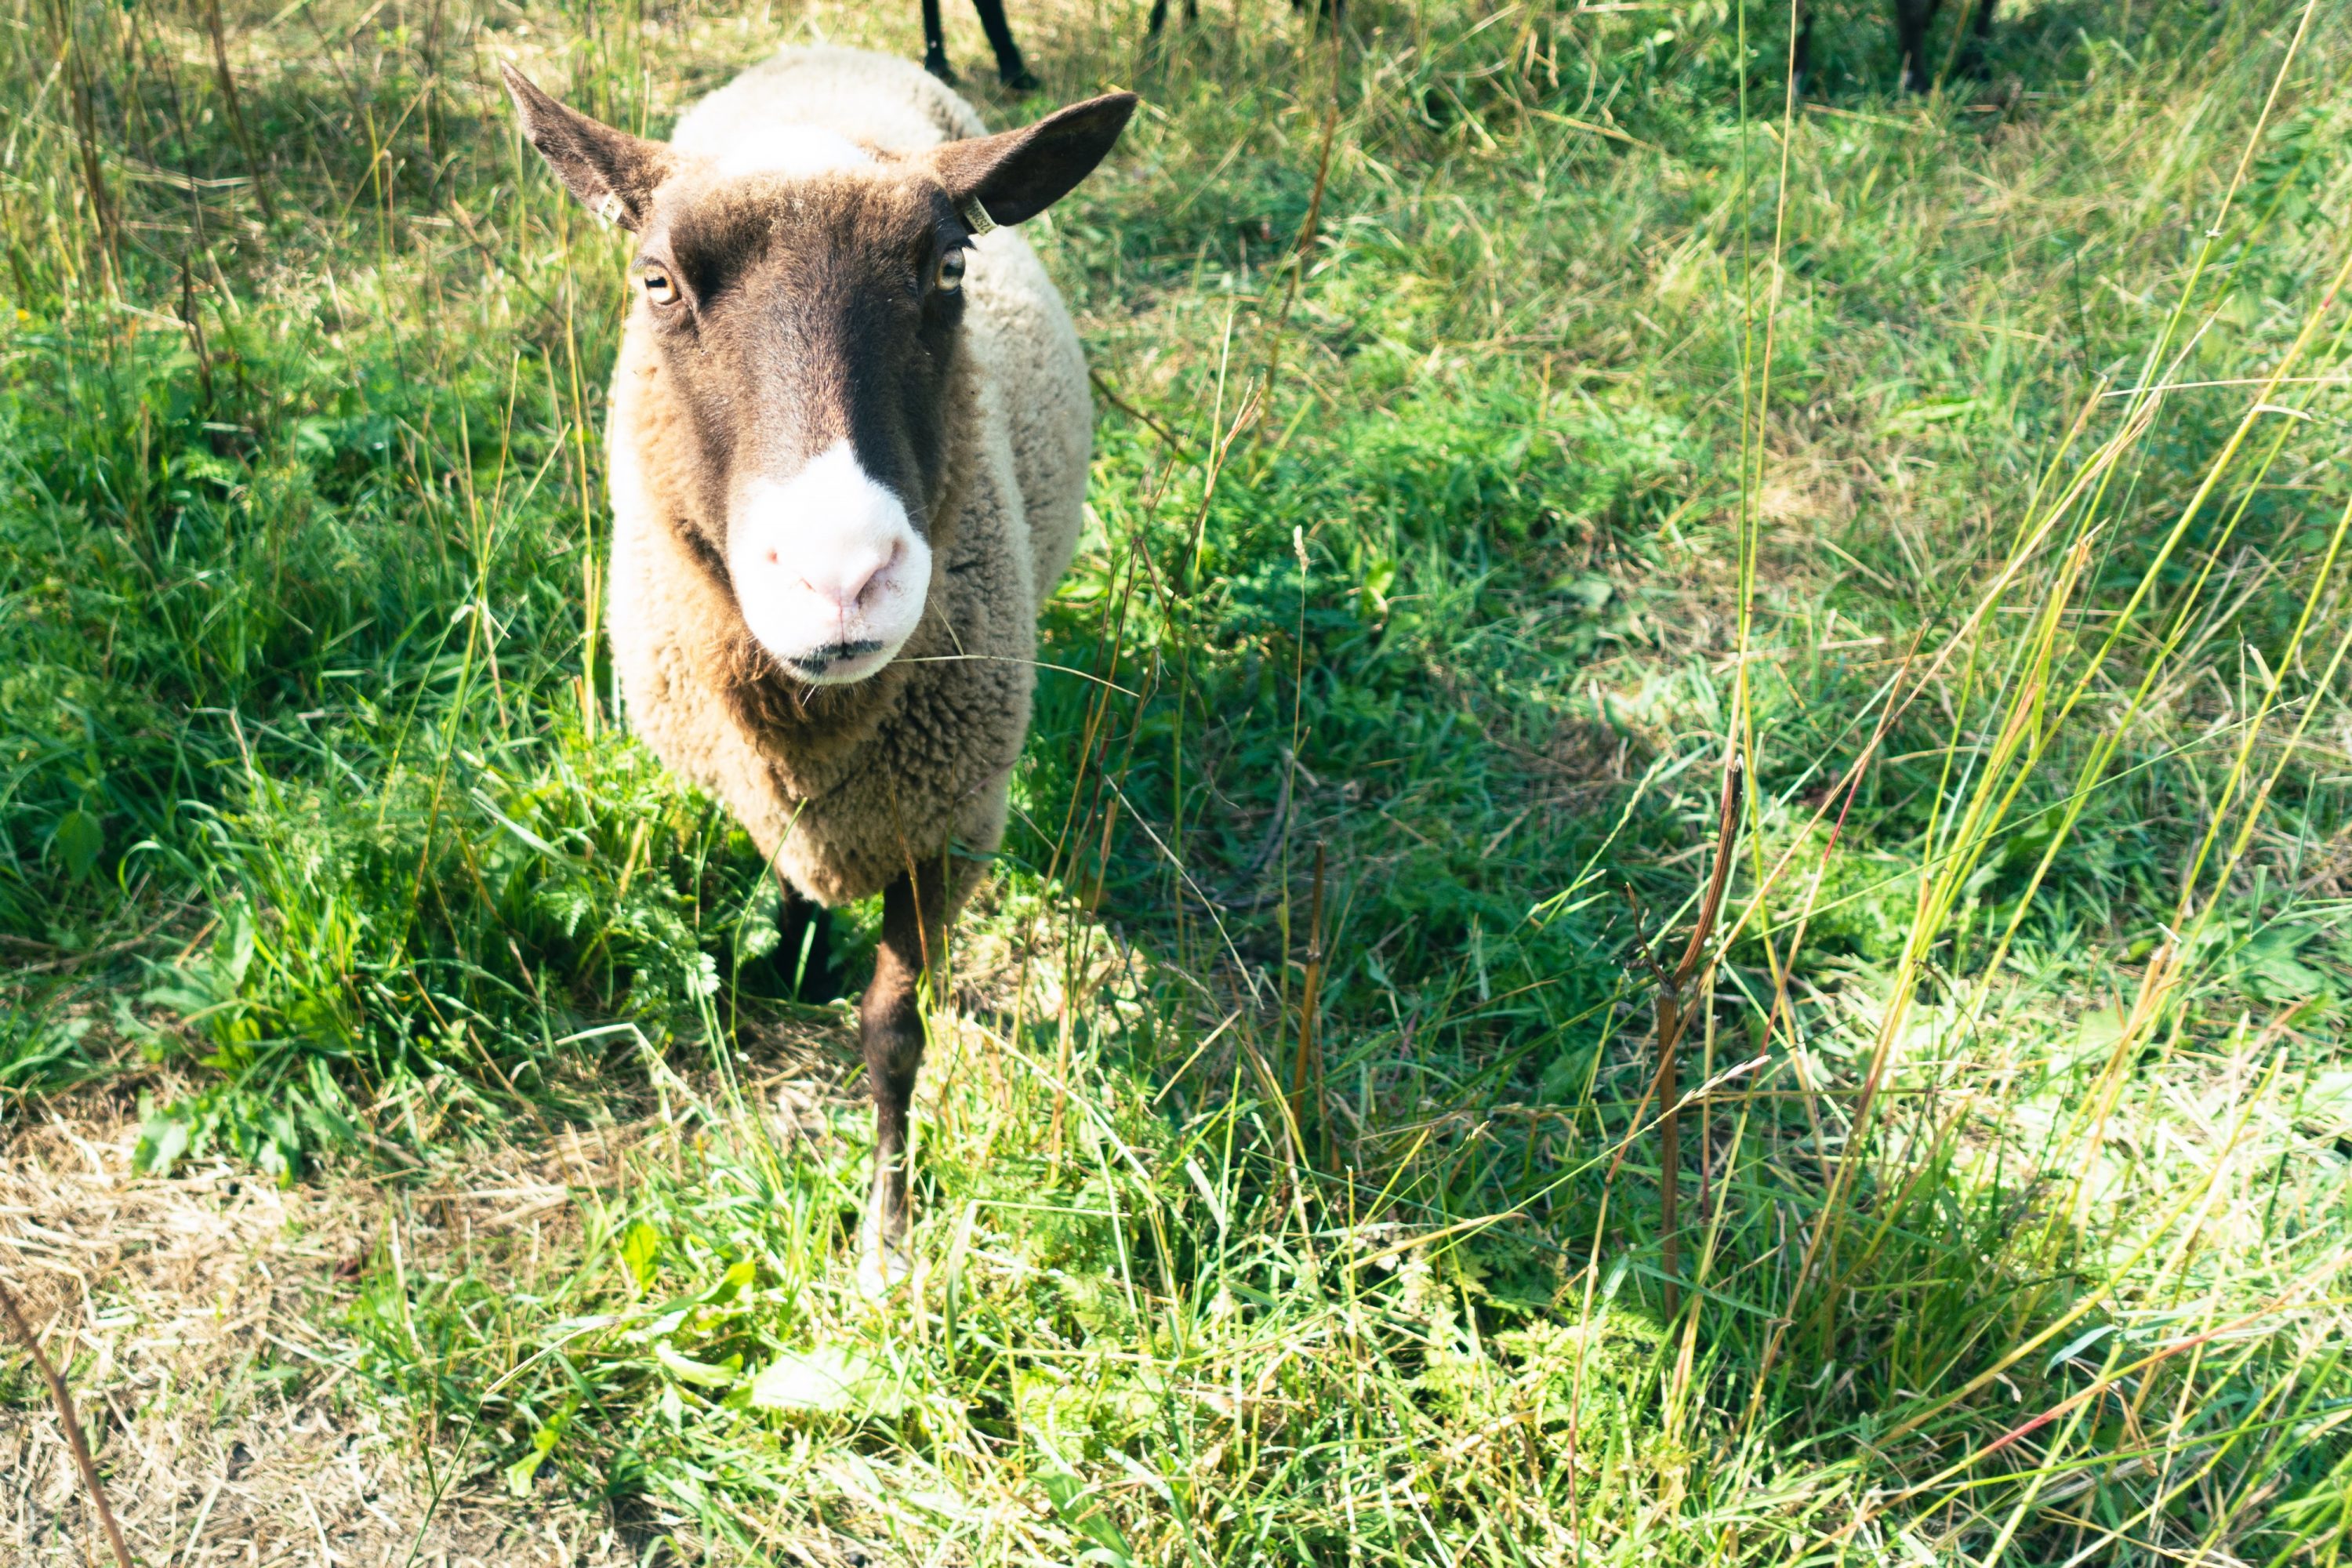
802,729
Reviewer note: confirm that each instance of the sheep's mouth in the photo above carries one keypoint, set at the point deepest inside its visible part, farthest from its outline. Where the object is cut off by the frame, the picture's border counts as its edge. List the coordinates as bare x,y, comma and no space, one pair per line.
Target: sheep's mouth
828,571
839,663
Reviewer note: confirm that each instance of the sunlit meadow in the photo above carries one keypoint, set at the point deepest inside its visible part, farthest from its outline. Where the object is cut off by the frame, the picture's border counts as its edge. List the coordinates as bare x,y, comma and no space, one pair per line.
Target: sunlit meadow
1680,894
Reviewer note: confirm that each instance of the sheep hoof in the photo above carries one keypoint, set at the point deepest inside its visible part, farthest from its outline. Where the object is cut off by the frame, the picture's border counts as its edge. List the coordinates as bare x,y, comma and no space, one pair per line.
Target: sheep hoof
882,1268
884,1263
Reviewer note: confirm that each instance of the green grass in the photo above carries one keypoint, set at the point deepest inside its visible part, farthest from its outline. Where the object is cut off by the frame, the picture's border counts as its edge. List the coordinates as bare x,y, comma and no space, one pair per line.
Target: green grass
1596,412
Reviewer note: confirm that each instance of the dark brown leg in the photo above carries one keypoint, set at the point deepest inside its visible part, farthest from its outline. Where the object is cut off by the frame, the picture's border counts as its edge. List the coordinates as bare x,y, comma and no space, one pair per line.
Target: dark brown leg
915,914
804,956
935,44
1159,15
1009,69
1972,55
1911,19
1800,52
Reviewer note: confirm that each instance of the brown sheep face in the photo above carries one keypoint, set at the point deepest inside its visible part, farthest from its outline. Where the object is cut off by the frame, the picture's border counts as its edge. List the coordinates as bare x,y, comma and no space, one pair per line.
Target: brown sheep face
803,297
804,326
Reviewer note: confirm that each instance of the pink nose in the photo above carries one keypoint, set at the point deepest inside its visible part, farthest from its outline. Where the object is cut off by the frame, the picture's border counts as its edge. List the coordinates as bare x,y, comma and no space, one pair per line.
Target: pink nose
848,582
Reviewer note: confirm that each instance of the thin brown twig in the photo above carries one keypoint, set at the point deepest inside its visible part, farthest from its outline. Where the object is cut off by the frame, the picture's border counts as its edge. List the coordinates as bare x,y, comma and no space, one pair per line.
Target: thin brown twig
1307,230
1307,996
235,110
1110,396
63,1398
1667,979
1673,1018
93,165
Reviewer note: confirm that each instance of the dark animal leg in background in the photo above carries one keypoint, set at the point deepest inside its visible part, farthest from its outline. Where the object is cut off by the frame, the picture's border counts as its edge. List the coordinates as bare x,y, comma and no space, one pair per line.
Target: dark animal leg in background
890,1027
1911,19
1972,55
811,925
935,44
1009,69
1160,15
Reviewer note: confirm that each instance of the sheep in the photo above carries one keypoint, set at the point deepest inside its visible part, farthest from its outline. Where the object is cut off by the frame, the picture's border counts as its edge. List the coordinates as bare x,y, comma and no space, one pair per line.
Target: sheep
847,443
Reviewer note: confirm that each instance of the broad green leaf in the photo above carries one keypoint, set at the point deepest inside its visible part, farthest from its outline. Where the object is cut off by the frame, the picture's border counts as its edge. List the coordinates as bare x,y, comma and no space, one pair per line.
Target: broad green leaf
161,1140
829,1381
686,1369
1068,1496
79,840
2274,970
639,1247
525,1470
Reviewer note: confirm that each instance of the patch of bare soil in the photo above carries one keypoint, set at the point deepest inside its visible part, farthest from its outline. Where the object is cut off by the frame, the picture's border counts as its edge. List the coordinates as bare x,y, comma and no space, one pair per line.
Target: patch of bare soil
189,1310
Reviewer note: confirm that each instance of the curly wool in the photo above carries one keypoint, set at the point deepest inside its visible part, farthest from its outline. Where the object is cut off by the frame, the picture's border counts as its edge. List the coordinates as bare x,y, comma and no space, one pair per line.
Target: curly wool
917,758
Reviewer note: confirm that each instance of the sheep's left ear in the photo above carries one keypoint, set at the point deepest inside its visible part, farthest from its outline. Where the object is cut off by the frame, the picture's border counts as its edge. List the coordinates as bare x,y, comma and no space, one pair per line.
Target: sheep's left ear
612,172
1016,175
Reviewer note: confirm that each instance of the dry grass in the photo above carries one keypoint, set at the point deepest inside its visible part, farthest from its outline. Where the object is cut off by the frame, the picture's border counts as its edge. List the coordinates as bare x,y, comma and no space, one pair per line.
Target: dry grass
197,1315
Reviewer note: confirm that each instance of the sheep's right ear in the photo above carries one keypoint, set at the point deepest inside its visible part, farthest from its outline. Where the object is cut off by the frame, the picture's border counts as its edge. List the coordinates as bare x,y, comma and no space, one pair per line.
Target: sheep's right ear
613,173
1013,176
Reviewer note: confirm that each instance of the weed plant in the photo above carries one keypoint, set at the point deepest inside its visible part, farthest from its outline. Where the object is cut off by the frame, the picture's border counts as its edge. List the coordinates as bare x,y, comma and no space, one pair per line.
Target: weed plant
1512,416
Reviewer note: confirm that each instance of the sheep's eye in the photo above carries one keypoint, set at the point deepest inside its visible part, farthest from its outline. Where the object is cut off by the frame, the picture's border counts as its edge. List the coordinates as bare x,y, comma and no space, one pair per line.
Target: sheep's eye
660,287
950,273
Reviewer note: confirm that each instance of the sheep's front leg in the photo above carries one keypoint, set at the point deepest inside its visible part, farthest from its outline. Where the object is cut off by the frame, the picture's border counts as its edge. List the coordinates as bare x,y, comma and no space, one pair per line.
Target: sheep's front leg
890,1027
